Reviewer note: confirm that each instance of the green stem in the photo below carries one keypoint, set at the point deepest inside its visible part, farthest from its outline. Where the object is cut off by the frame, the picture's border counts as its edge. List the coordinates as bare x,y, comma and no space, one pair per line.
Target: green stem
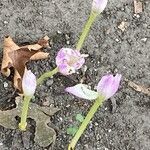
23,123
46,75
96,105
86,29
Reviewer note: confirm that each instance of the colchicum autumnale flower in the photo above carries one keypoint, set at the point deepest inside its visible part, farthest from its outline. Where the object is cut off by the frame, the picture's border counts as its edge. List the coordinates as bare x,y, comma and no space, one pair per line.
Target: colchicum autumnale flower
69,60
28,83
99,5
107,87
28,86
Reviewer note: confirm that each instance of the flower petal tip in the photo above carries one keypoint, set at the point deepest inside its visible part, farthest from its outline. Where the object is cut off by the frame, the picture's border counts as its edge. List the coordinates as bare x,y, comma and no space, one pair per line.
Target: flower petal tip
99,5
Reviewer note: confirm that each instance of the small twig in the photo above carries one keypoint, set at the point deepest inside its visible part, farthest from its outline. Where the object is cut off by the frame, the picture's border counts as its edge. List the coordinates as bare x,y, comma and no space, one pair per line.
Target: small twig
139,88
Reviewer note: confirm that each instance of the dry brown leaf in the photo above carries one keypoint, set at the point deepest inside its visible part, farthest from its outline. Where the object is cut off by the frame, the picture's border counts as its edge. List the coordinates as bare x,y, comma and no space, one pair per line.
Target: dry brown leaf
17,57
138,7
139,88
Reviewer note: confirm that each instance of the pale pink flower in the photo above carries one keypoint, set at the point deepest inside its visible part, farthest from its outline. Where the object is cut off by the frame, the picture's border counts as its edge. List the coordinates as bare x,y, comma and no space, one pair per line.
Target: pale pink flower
69,60
107,87
99,5
28,83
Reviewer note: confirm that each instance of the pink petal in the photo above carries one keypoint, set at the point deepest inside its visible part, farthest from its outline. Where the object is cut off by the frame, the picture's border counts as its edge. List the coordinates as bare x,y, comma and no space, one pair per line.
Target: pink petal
99,5
109,85
81,90
28,83
69,60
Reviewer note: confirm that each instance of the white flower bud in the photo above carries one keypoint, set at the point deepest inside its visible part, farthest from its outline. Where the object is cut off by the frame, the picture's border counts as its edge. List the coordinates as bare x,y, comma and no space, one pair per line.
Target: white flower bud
28,83
99,5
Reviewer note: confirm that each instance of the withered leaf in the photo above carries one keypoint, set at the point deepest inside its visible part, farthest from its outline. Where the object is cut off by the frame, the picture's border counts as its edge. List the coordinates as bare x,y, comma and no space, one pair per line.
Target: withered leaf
44,135
17,56
138,6
139,88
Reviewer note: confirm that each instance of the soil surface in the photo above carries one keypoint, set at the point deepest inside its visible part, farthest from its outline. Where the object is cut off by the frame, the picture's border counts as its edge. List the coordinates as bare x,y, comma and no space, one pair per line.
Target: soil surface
126,127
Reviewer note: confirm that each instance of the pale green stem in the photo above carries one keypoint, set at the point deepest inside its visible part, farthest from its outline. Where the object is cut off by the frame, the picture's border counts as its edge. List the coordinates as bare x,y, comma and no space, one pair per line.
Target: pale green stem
86,29
23,123
98,102
46,75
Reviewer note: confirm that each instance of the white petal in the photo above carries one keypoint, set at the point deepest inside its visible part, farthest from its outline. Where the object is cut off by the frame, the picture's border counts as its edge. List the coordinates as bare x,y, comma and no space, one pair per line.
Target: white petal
81,90
28,83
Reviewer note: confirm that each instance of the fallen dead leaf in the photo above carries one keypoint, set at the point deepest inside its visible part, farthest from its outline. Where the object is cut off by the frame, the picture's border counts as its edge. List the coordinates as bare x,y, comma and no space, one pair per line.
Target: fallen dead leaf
139,88
44,135
17,56
138,7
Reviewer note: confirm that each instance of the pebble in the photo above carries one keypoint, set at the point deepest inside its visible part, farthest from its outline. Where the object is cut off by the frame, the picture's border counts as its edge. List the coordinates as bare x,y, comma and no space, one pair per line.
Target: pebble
5,84
136,15
67,105
60,118
5,22
148,27
144,39
96,124
59,32
67,37
68,42
117,40
1,143
49,82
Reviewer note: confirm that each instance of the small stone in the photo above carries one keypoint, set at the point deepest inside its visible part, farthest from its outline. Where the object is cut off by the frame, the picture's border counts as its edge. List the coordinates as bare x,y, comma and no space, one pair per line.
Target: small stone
67,105
136,15
109,130
96,124
148,27
60,118
1,143
68,42
59,32
5,84
49,82
5,22
117,40
67,37
144,39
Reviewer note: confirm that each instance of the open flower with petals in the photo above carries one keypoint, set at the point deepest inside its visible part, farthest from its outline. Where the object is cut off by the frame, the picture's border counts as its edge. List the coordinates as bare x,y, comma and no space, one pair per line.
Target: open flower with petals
69,60
99,5
28,83
107,87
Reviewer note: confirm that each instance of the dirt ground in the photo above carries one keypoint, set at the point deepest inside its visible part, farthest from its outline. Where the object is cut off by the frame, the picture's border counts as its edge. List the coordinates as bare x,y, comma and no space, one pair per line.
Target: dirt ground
110,50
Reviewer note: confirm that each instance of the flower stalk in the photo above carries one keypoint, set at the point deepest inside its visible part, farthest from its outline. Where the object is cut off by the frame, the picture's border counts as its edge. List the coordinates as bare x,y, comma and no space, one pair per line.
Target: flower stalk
29,87
86,29
98,102
46,75
23,123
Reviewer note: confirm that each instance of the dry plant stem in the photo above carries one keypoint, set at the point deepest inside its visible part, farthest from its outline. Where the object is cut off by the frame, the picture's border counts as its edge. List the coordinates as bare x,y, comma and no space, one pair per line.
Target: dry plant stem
46,75
23,123
86,29
98,102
